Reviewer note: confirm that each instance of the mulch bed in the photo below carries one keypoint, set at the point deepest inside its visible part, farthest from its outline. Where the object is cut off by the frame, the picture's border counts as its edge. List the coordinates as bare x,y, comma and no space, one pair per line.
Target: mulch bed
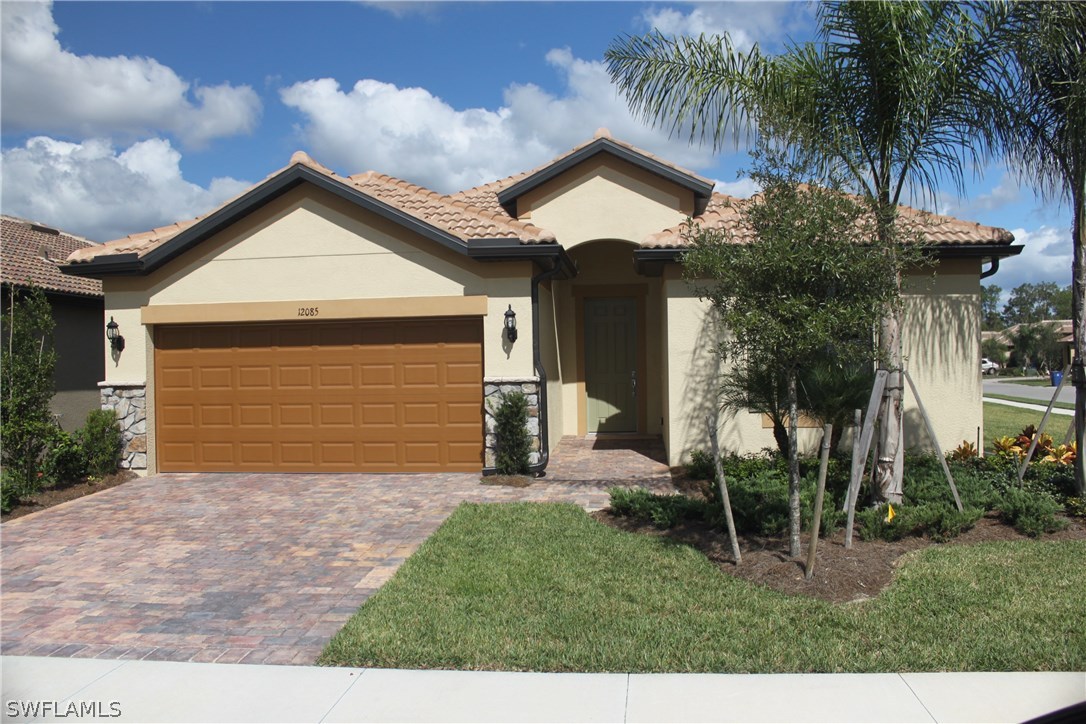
508,481
840,575
64,492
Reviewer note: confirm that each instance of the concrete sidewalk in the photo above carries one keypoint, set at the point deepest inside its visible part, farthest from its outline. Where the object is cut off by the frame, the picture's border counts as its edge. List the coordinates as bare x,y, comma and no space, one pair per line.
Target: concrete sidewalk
1029,406
152,691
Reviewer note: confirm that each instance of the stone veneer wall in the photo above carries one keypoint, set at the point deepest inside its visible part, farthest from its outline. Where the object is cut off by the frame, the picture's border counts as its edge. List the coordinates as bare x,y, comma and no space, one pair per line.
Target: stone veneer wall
493,389
129,401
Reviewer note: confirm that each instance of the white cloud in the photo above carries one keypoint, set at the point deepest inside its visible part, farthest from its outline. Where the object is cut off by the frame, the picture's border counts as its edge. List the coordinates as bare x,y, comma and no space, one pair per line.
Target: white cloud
746,22
744,188
92,190
413,134
1046,257
47,89
405,8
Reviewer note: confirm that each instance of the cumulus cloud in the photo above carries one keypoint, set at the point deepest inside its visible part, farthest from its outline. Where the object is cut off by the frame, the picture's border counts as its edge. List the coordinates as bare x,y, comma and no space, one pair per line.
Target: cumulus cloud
46,88
746,23
1046,257
413,134
92,190
744,188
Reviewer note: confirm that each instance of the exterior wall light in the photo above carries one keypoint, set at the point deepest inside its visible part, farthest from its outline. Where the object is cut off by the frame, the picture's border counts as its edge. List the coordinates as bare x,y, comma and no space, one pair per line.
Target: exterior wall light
116,341
511,324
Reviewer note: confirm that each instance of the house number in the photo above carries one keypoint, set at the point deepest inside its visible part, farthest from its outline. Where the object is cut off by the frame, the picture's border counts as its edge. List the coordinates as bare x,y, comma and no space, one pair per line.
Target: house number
308,311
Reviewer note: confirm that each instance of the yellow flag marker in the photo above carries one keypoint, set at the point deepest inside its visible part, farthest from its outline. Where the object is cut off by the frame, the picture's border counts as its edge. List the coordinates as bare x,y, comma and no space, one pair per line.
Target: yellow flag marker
890,515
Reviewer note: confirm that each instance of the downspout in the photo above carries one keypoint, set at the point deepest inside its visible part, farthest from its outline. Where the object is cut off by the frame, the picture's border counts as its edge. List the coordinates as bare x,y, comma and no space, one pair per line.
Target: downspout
992,269
544,443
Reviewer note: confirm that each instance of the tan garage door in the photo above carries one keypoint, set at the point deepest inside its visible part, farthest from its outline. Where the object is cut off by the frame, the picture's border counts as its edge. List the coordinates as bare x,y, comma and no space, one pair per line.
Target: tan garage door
305,397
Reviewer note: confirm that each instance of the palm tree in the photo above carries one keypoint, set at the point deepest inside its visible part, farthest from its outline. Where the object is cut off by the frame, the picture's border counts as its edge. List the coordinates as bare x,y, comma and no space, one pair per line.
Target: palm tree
1046,141
896,95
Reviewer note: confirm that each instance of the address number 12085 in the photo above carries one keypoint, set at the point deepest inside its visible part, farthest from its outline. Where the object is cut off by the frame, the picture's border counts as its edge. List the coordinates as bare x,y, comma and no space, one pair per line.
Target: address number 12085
308,311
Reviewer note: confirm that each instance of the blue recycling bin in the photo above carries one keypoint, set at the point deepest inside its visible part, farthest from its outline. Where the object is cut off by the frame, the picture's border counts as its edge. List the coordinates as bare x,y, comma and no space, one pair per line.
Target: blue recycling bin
1056,377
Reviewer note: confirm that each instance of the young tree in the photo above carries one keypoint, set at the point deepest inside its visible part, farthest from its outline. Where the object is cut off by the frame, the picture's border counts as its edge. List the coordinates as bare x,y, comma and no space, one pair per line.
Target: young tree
990,318
1044,123
814,278
27,359
893,94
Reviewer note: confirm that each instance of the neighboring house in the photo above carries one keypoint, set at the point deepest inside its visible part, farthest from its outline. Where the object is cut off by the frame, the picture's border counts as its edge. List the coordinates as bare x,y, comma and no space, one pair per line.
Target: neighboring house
30,255
322,322
1065,338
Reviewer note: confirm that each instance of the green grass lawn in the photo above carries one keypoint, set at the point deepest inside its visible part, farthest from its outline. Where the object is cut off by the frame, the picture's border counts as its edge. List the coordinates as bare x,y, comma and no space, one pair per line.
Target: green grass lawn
543,587
1032,381
1059,405
1002,420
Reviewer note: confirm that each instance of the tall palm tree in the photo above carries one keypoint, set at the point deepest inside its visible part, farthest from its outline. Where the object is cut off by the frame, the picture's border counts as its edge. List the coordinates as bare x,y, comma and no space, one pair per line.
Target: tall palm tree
1046,141
899,96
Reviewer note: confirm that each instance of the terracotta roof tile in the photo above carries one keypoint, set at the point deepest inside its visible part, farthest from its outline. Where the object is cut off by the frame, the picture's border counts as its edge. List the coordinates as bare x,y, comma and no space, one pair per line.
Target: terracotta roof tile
723,212
459,218
31,253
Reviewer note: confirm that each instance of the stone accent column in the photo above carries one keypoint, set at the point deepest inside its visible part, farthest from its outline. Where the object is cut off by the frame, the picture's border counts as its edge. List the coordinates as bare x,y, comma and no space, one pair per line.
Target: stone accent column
493,389
129,401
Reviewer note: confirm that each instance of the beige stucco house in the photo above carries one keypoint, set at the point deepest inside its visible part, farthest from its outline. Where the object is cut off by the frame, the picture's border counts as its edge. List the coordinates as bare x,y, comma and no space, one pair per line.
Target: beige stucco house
322,322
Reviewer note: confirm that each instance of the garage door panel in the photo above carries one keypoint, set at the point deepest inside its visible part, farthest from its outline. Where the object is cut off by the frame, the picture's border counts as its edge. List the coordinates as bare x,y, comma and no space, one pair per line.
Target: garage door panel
365,396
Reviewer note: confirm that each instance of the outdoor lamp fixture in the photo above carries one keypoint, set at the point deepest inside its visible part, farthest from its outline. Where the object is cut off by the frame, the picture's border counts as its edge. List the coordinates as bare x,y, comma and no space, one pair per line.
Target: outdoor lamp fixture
115,339
511,324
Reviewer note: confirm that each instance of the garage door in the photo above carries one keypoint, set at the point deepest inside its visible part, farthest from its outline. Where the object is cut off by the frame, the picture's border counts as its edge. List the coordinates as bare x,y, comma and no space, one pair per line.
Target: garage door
307,397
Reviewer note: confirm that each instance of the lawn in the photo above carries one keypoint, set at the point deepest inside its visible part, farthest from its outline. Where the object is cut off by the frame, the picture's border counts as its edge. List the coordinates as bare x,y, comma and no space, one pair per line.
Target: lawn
1042,403
543,587
1001,420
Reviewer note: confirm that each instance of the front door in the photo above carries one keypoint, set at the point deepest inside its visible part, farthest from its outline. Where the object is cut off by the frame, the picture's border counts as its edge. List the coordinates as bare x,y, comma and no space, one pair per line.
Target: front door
610,355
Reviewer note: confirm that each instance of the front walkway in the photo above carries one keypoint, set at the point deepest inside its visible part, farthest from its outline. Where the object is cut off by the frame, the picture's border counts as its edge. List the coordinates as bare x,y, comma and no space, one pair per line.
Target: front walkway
253,568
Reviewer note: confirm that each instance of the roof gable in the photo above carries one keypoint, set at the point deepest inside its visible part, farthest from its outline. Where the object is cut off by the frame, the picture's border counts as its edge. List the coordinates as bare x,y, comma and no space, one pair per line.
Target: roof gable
450,223
702,188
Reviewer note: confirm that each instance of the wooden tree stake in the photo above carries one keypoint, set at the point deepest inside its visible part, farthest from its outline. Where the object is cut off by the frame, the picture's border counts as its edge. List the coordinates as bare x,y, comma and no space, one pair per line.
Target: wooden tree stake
1041,427
934,441
816,524
722,484
865,445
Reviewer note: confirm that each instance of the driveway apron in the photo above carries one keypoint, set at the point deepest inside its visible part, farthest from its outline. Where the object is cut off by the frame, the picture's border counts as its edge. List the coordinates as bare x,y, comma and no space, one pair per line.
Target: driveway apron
253,568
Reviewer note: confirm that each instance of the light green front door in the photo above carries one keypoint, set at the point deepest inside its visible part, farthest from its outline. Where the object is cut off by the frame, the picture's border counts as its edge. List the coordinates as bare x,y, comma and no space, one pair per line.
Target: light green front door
610,360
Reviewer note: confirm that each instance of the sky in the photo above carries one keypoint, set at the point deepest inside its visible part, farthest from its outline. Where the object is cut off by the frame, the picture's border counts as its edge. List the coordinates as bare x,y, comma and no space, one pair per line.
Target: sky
118,117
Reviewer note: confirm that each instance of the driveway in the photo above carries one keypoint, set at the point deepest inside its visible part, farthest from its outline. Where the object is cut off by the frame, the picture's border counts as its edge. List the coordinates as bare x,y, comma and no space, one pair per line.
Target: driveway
253,568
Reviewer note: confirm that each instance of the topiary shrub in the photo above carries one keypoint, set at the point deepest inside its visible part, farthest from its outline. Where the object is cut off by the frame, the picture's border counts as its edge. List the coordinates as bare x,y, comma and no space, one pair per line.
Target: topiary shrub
101,440
514,445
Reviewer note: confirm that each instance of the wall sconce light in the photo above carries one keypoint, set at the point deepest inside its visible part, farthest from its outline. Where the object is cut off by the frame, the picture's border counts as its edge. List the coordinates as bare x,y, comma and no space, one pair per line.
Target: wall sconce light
511,324
116,341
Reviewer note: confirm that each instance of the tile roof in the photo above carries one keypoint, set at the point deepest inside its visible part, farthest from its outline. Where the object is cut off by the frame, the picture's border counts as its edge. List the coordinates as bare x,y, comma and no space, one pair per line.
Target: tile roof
31,253
476,213
456,217
724,213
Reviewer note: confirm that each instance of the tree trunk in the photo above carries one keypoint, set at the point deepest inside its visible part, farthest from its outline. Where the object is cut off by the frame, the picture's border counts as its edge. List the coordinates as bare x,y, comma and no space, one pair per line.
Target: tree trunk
1078,301
780,436
793,466
887,472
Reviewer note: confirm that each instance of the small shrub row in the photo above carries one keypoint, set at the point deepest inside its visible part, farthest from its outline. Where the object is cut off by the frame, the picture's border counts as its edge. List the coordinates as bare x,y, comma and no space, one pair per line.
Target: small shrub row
94,450
663,511
935,520
1031,512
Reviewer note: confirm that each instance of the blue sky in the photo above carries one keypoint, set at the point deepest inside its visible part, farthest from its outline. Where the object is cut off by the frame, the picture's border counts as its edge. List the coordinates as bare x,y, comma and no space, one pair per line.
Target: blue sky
118,117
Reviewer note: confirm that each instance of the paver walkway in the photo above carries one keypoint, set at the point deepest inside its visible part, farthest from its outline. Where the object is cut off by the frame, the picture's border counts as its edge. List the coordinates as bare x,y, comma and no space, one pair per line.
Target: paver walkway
253,568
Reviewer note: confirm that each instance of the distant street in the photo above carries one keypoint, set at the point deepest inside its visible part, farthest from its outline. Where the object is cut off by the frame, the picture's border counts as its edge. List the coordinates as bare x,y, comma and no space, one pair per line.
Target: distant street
997,386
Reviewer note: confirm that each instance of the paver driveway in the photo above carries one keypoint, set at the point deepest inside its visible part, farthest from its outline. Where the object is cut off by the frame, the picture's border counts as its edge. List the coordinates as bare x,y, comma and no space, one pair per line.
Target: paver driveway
254,568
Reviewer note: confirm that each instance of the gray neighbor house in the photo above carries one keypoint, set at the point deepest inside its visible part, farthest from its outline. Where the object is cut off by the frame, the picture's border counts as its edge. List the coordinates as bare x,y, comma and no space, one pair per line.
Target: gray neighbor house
29,256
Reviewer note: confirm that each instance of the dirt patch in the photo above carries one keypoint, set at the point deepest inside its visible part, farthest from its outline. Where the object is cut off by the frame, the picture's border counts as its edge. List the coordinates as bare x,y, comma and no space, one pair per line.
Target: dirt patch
64,492
841,575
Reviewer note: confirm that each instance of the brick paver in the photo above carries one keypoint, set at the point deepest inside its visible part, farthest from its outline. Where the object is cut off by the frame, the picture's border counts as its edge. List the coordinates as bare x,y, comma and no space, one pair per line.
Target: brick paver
253,568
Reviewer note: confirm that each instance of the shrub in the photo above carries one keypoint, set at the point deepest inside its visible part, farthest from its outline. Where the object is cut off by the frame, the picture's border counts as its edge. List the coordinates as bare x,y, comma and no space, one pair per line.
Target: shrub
1030,512
663,511
938,521
101,440
65,460
701,466
9,492
514,443
1075,507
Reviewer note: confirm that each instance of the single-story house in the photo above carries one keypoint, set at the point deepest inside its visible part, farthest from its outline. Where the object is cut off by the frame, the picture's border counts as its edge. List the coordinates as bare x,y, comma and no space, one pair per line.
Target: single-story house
1065,338
31,255
359,323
